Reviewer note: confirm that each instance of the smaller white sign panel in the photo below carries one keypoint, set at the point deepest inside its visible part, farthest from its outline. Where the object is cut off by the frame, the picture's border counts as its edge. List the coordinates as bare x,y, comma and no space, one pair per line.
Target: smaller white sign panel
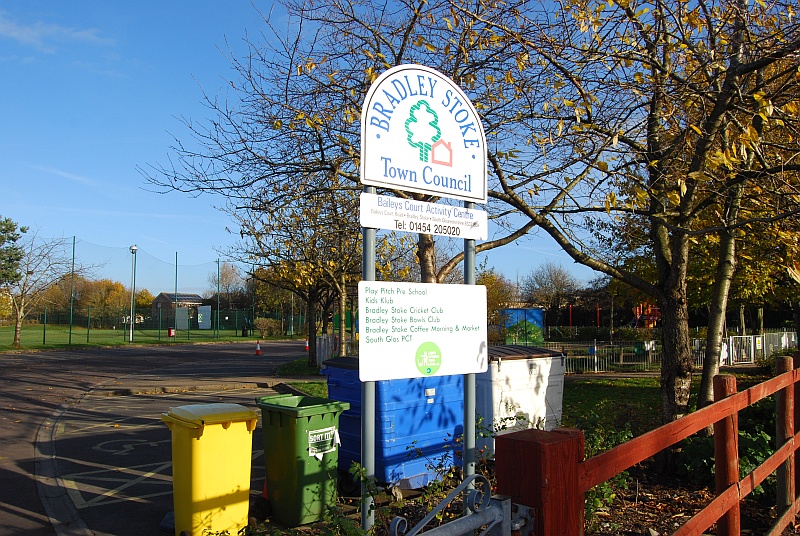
182,318
408,215
204,317
416,330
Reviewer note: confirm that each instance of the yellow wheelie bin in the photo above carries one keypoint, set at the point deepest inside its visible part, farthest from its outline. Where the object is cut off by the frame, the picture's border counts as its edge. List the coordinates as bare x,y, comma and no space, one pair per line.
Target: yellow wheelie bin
211,458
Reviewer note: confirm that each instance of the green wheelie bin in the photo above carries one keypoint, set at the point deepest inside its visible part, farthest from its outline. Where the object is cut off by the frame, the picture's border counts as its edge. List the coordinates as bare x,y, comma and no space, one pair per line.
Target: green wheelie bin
301,455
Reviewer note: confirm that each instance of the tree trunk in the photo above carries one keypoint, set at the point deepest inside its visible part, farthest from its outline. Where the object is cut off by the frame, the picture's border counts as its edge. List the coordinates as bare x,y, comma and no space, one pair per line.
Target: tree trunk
19,317
759,327
311,320
677,363
671,251
742,325
426,254
17,331
716,318
343,318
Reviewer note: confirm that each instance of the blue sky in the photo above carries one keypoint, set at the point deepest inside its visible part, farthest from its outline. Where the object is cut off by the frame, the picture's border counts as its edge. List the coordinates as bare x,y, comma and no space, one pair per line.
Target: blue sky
93,90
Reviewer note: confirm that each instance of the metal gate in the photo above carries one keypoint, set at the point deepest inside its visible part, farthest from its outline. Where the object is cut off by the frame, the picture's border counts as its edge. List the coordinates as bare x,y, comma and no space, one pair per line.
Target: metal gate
742,349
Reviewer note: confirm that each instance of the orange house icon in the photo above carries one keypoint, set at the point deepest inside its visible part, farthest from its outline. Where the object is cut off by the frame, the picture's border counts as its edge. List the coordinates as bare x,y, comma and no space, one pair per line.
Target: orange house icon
442,153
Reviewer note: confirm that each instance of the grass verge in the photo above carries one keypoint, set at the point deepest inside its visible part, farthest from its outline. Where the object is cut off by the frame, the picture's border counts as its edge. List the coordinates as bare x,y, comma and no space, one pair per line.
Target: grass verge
38,337
299,367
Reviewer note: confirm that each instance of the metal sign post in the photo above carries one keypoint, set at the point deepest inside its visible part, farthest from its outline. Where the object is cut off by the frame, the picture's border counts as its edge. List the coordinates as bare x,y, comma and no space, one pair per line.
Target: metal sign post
469,379
367,390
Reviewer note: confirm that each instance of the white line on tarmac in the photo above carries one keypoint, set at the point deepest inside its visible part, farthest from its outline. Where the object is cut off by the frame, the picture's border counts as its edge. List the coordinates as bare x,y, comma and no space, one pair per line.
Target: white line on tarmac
75,481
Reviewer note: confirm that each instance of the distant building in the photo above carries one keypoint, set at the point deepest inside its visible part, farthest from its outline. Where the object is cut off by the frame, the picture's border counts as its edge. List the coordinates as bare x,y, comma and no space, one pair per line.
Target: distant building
164,304
523,325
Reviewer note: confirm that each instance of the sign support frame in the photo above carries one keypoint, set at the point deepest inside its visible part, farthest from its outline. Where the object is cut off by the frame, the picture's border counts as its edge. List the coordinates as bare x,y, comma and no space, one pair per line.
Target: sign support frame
455,185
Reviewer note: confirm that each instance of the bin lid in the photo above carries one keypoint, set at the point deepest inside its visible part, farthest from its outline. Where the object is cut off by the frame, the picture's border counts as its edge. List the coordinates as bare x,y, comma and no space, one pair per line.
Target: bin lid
512,351
350,363
204,414
301,406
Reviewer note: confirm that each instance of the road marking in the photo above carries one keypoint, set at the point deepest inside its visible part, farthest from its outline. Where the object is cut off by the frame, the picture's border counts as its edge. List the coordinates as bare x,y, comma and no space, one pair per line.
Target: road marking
109,424
80,485
127,445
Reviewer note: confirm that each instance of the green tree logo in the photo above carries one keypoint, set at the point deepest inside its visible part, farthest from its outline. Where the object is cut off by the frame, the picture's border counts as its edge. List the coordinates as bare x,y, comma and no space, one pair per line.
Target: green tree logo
422,127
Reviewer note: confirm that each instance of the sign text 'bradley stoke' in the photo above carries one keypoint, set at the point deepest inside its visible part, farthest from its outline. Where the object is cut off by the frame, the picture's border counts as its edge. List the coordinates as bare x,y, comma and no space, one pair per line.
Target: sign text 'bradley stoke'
422,134
381,111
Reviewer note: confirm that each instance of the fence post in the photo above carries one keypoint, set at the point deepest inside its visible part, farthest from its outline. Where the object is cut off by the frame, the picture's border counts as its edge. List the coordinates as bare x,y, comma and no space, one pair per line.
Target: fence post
784,424
796,411
726,454
539,469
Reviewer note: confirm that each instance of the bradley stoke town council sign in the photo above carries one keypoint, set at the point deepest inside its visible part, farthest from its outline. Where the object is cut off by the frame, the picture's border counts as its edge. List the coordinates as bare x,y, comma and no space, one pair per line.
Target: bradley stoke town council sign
420,133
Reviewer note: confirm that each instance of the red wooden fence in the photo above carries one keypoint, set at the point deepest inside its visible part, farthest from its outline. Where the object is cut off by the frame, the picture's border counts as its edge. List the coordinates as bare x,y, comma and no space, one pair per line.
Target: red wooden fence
546,470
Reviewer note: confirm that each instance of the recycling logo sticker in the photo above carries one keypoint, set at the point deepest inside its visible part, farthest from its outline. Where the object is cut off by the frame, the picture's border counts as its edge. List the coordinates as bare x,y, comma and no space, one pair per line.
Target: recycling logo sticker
428,358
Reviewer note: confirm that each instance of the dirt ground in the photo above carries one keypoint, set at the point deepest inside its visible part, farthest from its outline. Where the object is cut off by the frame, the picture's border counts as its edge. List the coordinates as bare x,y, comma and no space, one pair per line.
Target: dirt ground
658,504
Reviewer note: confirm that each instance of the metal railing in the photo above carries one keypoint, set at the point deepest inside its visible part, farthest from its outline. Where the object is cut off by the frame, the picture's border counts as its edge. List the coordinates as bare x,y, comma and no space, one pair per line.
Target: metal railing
494,514
640,356
599,356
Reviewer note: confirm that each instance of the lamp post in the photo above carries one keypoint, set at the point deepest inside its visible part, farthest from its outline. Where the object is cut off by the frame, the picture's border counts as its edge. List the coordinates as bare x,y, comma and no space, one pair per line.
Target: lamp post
133,290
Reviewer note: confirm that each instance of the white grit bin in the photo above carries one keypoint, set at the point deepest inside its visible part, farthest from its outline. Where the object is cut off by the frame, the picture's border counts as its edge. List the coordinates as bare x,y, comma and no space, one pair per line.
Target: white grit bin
523,387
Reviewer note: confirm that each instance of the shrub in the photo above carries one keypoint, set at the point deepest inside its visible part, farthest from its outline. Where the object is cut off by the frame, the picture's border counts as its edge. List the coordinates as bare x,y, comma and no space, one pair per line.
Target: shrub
267,326
601,434
627,333
695,455
767,362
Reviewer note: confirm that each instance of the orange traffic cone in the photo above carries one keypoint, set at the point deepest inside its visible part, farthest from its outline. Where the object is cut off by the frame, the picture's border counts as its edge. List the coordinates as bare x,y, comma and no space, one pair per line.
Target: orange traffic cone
306,345
258,347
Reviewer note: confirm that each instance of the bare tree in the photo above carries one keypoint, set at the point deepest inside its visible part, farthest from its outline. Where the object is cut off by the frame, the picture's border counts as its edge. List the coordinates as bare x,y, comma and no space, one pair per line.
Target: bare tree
44,262
550,286
291,128
228,282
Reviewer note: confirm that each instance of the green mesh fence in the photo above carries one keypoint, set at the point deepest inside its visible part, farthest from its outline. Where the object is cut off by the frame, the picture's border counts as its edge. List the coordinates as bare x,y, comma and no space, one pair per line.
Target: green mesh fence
95,326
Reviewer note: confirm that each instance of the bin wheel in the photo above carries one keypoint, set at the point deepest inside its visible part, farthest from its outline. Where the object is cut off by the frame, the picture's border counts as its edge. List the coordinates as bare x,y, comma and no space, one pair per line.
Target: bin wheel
184,533
348,485
260,509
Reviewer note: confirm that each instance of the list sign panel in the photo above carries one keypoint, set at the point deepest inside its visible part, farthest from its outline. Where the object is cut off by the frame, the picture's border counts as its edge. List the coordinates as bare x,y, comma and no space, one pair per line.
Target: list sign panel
414,330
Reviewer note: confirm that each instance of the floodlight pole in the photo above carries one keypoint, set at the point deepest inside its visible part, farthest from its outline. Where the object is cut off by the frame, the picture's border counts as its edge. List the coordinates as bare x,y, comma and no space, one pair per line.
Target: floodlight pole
175,316
72,291
133,291
218,284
